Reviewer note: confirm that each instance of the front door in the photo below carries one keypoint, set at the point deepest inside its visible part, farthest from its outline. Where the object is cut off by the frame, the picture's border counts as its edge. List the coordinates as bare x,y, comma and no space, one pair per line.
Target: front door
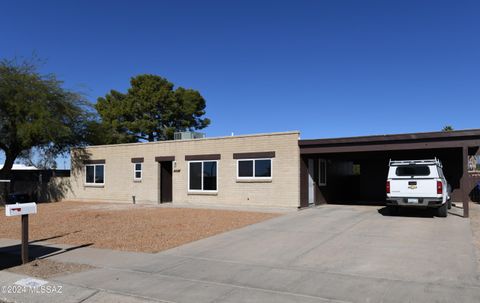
166,190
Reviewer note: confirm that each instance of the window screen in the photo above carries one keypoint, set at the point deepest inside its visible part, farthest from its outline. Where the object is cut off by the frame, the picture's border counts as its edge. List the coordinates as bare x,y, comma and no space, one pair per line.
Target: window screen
98,173
90,174
210,175
245,168
196,176
263,168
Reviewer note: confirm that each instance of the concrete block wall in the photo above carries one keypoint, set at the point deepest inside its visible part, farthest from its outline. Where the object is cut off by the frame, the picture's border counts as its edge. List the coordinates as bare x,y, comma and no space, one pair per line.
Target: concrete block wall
282,191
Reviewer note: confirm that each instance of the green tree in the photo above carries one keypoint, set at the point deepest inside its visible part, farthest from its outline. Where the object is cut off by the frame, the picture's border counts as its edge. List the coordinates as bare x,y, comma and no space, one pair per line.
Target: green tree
37,114
151,110
447,128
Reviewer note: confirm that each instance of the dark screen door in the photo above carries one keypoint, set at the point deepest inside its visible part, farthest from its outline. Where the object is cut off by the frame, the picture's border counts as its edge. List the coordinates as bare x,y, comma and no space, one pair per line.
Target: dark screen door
166,181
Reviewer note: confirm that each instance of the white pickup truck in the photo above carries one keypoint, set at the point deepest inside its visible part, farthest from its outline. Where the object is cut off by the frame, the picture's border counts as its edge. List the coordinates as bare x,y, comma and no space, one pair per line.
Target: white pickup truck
418,183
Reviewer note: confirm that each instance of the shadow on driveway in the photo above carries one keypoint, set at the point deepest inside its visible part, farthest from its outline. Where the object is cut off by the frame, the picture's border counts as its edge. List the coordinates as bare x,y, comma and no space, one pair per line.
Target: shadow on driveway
407,212
413,212
10,256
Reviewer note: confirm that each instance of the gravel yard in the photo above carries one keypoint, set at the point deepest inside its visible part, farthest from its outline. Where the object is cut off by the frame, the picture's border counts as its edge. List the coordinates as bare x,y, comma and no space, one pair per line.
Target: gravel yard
142,228
44,268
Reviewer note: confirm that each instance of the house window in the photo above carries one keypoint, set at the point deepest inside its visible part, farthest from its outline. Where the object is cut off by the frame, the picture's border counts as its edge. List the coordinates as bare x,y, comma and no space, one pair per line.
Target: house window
94,174
322,172
202,176
137,171
254,168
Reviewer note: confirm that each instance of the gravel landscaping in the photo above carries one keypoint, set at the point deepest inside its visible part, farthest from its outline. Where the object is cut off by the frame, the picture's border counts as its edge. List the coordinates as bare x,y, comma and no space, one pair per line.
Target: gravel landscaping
141,228
44,268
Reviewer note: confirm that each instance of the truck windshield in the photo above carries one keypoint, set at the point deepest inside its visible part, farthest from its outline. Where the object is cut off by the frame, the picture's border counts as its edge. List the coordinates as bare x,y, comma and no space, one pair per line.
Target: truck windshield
412,170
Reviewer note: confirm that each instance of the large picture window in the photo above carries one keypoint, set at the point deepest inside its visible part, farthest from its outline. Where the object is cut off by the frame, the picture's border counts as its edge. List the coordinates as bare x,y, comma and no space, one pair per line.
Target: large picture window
202,176
95,174
254,168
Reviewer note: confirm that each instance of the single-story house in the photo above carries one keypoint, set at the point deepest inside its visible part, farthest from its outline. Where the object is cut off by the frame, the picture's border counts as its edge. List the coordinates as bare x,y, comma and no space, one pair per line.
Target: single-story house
275,169
256,170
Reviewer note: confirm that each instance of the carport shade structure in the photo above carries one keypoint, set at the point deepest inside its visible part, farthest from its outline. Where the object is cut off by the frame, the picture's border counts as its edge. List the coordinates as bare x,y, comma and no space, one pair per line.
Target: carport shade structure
354,169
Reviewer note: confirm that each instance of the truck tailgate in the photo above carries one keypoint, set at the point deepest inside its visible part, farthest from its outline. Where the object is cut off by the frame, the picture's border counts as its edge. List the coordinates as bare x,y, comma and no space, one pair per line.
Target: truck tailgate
407,187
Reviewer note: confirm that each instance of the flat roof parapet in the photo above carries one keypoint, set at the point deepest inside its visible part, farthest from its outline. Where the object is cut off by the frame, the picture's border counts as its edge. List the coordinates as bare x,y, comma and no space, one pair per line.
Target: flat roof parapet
199,139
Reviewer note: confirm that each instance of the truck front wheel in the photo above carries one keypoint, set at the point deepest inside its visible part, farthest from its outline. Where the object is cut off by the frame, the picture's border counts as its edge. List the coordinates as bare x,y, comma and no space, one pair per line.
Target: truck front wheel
442,211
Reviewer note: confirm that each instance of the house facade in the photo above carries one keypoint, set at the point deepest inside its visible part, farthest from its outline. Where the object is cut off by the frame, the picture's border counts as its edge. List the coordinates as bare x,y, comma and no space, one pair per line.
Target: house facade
268,170
254,170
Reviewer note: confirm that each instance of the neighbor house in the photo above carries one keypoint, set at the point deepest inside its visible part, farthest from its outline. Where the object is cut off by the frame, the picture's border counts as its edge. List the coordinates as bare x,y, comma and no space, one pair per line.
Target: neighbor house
39,184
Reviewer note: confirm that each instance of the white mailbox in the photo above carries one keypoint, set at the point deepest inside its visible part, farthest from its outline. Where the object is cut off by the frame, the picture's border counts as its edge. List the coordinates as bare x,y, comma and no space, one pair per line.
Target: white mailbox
20,209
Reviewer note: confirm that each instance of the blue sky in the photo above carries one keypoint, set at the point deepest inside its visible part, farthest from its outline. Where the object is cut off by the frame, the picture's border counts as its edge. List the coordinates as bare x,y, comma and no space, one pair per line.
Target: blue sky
326,68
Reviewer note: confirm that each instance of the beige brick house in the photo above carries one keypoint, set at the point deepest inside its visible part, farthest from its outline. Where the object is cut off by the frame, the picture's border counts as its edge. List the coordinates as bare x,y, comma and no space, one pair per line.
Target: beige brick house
251,170
276,170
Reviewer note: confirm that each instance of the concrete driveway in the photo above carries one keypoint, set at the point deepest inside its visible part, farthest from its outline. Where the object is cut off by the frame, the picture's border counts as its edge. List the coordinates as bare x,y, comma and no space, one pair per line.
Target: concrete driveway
329,253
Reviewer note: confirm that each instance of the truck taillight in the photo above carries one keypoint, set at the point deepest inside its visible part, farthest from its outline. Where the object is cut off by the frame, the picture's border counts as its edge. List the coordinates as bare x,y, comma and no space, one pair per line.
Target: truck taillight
388,187
439,187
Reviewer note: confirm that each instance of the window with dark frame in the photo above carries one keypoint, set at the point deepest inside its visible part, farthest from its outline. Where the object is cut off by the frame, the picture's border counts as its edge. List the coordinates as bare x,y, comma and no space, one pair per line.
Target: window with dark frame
94,174
254,168
202,176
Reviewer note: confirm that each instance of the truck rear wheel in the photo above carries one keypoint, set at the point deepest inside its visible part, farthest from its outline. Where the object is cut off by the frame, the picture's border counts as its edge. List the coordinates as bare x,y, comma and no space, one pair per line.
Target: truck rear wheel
442,211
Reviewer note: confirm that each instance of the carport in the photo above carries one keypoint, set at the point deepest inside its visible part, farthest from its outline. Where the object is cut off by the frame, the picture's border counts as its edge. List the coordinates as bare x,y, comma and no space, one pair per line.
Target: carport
354,170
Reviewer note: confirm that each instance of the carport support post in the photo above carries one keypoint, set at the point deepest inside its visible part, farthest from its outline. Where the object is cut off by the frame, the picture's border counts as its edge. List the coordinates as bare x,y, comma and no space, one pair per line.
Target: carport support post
464,182
24,239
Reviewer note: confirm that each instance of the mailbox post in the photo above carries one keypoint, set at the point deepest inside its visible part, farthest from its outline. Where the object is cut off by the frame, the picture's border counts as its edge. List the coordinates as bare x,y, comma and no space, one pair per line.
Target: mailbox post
23,210
24,239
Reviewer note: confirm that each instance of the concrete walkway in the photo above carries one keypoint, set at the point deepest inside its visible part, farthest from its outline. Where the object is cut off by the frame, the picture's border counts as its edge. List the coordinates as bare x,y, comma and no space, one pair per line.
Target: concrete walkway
325,254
